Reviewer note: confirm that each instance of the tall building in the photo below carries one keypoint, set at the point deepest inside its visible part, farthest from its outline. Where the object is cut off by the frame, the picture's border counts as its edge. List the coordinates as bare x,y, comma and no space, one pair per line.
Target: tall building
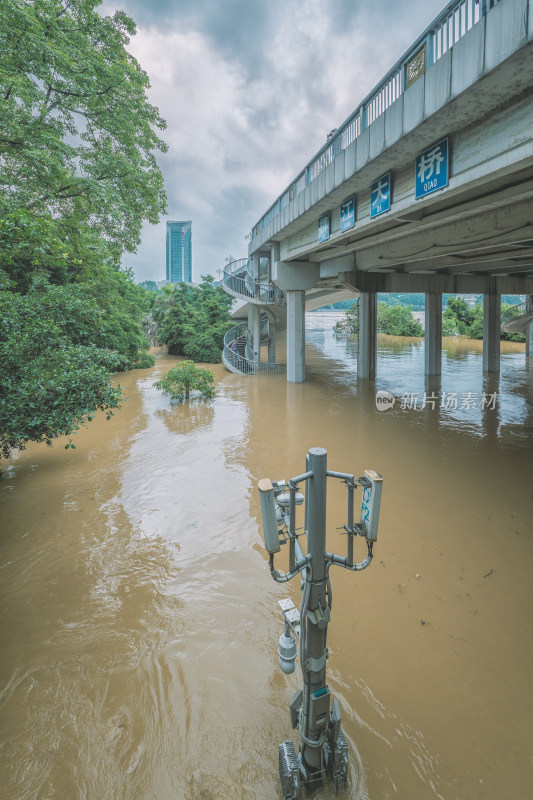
179,251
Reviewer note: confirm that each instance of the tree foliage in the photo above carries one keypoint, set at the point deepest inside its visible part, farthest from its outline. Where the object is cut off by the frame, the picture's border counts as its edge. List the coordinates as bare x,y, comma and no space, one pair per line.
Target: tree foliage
192,320
78,176
349,324
185,378
50,382
394,319
461,319
397,320
77,134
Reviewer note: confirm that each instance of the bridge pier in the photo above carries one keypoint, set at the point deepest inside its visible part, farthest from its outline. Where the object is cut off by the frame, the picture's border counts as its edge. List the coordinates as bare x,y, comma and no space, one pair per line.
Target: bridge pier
529,329
295,335
366,358
433,333
295,277
491,331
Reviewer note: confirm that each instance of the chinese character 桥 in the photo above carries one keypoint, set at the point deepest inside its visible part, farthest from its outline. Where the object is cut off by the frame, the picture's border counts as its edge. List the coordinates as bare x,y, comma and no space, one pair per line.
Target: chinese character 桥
430,162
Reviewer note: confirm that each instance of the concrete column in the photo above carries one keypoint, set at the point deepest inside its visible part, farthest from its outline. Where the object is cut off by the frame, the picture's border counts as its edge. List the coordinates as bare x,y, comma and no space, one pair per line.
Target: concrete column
366,358
255,265
491,332
433,333
295,336
529,329
254,325
272,338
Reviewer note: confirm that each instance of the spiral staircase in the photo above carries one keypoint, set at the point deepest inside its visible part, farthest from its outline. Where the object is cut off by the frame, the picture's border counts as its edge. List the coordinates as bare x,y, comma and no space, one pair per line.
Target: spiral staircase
518,318
241,353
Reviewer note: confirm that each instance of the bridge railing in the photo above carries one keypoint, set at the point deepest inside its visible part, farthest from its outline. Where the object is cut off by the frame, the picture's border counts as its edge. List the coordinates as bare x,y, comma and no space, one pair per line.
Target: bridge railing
514,311
454,21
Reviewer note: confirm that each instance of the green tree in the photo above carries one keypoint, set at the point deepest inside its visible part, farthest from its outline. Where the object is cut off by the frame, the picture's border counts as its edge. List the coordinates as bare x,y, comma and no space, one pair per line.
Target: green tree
77,133
397,320
349,324
185,378
192,320
458,317
49,384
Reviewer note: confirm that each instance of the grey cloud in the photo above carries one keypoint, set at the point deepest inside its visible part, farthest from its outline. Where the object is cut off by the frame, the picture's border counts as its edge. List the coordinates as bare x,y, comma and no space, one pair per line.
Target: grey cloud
250,98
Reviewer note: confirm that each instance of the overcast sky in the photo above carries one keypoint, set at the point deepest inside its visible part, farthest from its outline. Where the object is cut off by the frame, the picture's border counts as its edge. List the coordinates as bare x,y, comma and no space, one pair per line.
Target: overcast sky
249,90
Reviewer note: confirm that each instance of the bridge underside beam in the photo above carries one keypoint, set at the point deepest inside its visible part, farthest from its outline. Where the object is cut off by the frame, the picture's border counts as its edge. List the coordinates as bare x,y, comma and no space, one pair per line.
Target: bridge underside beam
447,284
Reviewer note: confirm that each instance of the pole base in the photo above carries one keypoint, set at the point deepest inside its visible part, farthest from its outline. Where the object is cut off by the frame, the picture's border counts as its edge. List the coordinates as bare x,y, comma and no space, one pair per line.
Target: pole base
337,762
289,771
292,773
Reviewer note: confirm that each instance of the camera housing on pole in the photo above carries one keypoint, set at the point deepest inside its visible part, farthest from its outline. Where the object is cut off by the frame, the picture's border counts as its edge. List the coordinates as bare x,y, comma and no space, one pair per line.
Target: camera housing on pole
323,752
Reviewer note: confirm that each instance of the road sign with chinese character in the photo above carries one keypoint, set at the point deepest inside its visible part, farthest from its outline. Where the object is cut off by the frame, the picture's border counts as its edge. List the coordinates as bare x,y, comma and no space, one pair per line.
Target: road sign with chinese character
323,228
347,214
380,192
431,169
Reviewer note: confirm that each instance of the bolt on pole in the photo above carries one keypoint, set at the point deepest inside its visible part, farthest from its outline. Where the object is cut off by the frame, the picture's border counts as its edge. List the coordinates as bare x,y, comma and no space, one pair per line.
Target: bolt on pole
323,752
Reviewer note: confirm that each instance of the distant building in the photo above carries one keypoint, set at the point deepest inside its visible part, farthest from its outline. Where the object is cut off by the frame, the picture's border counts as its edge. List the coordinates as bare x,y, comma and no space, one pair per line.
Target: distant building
179,252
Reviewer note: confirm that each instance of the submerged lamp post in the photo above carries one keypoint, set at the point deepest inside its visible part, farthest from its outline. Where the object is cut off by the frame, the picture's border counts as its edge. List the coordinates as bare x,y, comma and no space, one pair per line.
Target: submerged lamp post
323,753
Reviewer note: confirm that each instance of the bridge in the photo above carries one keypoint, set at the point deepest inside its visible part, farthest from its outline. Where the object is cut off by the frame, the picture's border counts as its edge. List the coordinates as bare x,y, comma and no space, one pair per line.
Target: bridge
426,187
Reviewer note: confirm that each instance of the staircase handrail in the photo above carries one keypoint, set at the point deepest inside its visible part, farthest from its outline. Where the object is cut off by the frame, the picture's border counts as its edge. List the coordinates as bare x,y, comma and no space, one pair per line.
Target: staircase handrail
518,310
238,279
242,364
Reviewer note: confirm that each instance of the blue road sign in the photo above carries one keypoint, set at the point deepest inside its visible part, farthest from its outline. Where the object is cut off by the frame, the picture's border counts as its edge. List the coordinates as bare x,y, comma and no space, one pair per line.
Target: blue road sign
380,193
347,214
431,169
323,228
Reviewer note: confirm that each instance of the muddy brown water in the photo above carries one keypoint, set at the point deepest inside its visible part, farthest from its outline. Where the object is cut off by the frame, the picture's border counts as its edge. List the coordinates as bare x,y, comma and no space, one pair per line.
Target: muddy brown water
140,621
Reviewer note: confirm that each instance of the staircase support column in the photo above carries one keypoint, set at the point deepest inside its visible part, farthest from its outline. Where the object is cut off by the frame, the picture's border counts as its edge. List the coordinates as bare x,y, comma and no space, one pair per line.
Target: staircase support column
254,326
271,338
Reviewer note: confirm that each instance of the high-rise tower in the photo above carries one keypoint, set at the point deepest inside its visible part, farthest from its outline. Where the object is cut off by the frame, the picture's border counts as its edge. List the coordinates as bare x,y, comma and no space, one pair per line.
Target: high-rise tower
179,251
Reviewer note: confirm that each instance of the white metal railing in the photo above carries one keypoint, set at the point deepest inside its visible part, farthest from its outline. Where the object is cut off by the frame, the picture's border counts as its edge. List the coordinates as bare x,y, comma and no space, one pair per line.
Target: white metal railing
233,354
513,312
384,97
454,21
453,27
238,279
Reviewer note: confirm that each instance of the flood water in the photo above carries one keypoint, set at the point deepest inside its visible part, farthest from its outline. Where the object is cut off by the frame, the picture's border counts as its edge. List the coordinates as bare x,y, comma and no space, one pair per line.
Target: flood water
140,622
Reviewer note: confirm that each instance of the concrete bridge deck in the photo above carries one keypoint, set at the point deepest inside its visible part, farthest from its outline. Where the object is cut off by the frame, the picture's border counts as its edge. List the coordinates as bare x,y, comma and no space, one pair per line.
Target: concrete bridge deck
445,143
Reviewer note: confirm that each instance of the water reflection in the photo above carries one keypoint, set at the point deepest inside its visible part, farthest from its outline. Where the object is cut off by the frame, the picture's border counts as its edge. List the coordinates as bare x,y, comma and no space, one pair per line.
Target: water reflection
193,415
462,396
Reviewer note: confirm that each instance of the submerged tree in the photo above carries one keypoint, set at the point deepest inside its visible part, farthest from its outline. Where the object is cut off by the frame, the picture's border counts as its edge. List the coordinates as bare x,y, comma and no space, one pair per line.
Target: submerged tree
185,378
